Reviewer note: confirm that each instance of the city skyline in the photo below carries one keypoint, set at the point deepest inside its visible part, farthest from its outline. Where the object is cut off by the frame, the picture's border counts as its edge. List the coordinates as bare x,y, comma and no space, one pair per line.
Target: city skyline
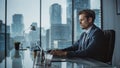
32,13
59,35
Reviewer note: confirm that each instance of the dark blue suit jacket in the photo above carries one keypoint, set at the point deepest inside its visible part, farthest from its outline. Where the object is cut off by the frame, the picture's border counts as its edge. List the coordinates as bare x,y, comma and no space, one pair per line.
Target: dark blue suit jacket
95,46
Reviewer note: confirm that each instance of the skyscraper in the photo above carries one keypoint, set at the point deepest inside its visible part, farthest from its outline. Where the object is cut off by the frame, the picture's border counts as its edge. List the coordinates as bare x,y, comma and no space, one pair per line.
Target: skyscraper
98,17
3,39
59,32
48,40
17,25
55,14
69,16
0,26
55,19
69,12
81,4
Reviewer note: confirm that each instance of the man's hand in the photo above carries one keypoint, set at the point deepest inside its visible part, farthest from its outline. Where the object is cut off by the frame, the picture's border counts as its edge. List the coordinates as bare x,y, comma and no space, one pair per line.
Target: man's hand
59,53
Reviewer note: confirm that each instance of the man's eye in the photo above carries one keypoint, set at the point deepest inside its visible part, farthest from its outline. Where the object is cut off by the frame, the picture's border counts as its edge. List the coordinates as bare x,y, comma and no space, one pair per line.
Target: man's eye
81,20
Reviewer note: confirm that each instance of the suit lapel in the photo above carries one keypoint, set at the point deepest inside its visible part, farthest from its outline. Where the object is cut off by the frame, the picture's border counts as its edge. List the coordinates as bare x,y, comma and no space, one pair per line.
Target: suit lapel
90,34
93,29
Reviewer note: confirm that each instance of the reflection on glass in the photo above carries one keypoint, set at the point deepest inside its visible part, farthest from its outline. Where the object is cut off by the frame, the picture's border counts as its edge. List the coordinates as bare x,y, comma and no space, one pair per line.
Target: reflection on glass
17,45
66,65
17,60
23,18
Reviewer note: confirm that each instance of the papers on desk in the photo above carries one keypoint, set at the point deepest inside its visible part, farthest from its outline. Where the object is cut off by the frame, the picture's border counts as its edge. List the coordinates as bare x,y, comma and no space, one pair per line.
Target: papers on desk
48,56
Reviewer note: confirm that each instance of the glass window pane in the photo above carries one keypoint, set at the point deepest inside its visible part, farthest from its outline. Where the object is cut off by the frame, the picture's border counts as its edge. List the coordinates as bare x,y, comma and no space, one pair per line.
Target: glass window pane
56,24
2,33
23,19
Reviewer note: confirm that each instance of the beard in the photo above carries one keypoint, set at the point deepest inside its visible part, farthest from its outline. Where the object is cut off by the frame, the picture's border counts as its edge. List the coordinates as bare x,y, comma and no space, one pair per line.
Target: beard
84,26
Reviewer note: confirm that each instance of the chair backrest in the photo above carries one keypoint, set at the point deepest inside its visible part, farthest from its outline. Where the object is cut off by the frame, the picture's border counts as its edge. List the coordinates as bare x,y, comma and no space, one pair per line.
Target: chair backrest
109,42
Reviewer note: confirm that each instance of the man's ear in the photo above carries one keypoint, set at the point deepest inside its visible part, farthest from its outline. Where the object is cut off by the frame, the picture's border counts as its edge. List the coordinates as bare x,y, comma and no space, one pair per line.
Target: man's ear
90,19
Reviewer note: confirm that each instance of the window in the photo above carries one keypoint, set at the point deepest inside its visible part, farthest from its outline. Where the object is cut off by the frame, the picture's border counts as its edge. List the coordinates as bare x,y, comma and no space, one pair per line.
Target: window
23,18
57,32
60,24
59,28
49,23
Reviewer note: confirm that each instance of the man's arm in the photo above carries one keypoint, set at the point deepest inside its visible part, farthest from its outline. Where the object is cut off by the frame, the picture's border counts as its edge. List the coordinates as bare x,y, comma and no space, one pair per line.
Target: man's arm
74,47
63,52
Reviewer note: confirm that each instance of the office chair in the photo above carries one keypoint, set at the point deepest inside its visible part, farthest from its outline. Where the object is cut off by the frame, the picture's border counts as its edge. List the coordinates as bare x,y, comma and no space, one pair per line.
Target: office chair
109,42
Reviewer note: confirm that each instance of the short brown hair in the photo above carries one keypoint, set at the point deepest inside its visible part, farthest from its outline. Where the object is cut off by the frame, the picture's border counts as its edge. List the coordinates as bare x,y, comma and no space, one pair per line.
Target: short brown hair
88,13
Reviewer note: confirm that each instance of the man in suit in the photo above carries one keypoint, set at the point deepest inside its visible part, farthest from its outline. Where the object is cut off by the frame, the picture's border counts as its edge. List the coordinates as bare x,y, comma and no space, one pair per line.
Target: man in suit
91,42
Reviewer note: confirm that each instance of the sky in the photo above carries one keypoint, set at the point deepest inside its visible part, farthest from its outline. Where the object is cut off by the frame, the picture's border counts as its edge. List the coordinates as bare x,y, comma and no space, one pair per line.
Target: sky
2,9
31,10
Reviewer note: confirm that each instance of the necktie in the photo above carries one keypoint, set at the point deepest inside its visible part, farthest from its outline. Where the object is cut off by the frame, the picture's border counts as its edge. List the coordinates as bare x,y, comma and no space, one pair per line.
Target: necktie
83,40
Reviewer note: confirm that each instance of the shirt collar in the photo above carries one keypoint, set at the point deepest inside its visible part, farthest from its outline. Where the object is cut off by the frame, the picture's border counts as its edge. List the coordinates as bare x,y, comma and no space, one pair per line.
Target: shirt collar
88,30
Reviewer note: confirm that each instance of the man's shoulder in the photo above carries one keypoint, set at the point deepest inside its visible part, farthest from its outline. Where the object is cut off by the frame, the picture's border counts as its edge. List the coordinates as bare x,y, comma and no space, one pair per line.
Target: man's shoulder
96,31
95,28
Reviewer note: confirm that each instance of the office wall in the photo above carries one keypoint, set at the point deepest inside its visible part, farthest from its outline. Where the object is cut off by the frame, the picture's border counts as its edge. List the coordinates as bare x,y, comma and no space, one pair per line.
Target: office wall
112,21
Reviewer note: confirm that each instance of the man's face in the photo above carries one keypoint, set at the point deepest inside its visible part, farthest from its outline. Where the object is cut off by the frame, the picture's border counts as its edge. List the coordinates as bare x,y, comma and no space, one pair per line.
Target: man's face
84,22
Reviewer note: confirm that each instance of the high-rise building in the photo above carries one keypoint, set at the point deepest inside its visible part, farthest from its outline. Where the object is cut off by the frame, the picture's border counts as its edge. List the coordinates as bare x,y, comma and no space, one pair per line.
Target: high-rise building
55,14
55,19
59,34
69,12
98,17
48,40
69,16
3,39
2,36
43,37
17,25
2,27
81,4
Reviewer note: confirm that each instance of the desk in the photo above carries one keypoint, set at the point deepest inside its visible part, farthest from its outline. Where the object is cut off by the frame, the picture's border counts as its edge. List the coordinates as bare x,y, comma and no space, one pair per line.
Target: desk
80,63
24,59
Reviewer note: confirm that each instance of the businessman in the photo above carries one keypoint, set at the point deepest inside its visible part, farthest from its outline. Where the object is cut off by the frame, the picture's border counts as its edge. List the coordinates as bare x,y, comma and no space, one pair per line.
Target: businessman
90,43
